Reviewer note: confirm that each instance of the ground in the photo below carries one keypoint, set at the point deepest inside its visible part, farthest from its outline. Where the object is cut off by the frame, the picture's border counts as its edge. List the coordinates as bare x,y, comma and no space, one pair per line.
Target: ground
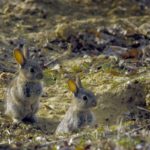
107,43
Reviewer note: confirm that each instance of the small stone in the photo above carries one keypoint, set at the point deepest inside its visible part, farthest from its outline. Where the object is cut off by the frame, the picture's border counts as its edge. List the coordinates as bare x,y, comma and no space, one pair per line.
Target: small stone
139,146
39,138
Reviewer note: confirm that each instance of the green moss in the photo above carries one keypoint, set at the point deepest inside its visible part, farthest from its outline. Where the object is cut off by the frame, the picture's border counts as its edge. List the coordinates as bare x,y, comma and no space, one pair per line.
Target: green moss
76,69
128,142
50,77
86,65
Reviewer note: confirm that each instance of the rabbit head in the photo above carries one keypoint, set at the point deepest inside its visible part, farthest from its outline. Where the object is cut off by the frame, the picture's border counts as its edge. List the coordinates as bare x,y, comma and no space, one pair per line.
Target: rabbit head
83,98
30,69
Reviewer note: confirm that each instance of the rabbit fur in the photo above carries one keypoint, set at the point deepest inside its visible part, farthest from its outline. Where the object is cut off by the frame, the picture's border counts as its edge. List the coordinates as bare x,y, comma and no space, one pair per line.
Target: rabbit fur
23,94
79,114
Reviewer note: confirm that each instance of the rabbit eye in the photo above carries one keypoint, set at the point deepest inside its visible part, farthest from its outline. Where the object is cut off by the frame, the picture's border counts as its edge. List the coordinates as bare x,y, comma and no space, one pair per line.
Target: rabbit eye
85,98
32,70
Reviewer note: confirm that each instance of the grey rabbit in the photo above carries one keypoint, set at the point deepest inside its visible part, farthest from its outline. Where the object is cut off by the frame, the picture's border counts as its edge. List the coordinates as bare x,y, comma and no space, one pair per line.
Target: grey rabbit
23,94
79,113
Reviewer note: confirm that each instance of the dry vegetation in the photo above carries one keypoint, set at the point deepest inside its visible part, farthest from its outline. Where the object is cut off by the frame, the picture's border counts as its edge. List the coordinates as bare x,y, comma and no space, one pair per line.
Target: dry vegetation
107,45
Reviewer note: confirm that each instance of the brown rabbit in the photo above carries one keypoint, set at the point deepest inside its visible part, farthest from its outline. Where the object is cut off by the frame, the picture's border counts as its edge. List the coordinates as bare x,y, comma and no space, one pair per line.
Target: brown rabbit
79,113
22,98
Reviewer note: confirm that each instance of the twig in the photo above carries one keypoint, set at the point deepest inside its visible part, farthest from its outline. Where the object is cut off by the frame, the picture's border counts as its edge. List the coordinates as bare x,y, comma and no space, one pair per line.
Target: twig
137,129
141,108
51,62
59,58
64,139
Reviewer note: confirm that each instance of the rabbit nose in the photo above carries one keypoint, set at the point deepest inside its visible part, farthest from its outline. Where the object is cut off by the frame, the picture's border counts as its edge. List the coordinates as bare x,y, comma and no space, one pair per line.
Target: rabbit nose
94,103
40,76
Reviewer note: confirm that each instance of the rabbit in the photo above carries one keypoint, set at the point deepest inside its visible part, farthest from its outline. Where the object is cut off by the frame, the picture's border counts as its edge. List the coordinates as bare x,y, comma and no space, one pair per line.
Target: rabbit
23,93
79,113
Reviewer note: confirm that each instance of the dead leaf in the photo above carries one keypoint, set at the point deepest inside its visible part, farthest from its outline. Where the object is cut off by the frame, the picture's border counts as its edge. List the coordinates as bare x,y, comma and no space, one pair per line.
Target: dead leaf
132,53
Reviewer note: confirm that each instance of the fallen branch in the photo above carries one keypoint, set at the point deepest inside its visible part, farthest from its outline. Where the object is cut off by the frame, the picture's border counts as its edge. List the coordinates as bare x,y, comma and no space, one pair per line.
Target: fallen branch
141,108
137,129
70,140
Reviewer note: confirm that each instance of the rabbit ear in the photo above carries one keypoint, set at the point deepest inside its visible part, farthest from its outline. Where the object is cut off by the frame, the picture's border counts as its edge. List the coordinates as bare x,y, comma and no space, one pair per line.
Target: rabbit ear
26,52
19,56
78,82
72,86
